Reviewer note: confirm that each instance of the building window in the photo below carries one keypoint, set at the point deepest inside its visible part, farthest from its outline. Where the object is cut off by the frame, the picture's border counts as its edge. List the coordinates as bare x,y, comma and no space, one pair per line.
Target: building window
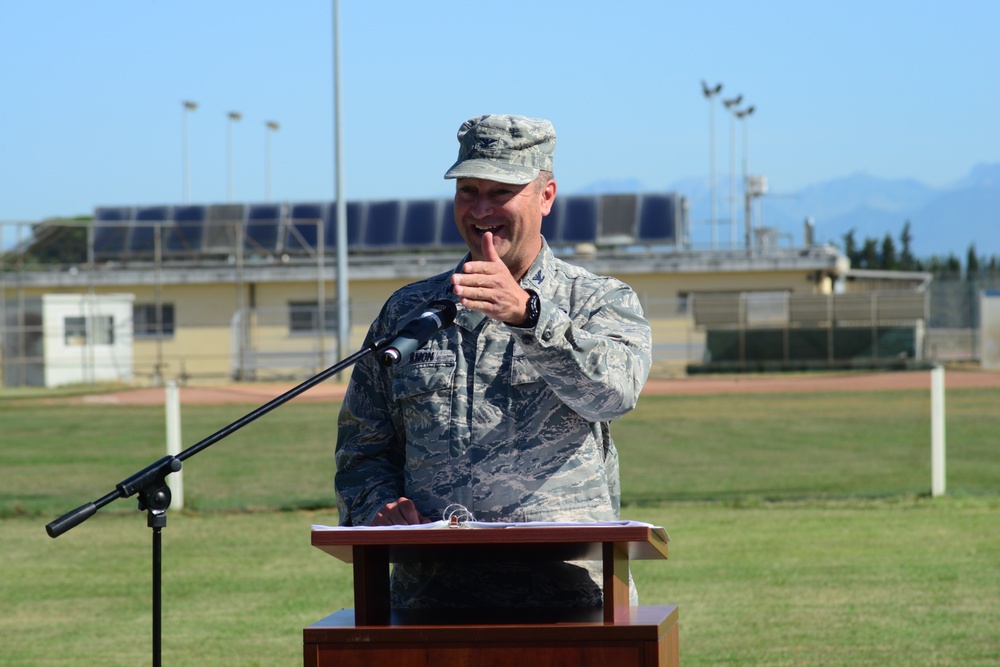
76,330
146,324
104,330
303,317
683,303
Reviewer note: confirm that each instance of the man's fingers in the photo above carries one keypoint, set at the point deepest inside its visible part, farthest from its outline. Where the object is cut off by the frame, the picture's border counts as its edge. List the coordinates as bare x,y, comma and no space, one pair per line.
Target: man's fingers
409,512
399,512
489,250
488,287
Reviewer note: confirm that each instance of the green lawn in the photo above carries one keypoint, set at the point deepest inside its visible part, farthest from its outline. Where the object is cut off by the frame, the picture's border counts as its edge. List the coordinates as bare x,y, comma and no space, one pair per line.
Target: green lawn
801,531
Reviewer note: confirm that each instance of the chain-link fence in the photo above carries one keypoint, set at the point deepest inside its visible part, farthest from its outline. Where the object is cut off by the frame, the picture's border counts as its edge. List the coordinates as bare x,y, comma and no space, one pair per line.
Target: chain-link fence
953,330
278,343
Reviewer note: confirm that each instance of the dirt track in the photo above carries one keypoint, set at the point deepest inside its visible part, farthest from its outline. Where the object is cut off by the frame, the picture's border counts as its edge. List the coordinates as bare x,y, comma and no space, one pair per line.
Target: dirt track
706,384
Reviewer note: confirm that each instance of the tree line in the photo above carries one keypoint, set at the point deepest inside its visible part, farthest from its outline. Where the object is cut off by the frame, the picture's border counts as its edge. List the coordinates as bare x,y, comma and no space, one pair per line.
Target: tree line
885,254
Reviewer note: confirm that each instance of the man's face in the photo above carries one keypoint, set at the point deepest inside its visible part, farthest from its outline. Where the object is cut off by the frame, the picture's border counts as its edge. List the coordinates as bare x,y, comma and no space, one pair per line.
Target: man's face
513,213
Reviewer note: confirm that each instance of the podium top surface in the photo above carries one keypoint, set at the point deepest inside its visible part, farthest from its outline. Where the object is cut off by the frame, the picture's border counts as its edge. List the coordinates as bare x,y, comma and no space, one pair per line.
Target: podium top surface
584,541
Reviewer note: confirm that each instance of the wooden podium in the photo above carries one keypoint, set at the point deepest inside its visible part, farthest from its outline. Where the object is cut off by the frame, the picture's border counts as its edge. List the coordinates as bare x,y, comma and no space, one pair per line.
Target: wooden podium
374,634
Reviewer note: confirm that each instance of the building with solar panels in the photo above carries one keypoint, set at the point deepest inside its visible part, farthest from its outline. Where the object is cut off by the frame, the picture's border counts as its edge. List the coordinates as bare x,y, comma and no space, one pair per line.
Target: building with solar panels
245,291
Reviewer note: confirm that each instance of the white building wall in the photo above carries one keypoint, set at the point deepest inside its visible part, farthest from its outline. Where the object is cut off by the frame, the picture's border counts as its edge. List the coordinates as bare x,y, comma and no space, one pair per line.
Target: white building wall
88,338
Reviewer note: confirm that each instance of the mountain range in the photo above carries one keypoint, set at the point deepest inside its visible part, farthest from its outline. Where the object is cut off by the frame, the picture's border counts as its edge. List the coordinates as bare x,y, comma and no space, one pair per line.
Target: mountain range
943,221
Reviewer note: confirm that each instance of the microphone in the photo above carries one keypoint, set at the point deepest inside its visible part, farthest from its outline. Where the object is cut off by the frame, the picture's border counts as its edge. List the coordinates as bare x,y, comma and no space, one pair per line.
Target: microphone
438,315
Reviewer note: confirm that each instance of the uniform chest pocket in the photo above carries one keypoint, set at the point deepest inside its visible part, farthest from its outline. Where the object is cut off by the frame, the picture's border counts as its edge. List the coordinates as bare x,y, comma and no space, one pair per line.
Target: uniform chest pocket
423,390
427,372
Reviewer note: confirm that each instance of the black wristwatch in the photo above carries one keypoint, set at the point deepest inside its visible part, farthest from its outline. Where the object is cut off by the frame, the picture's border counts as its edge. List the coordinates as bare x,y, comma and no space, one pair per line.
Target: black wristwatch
533,311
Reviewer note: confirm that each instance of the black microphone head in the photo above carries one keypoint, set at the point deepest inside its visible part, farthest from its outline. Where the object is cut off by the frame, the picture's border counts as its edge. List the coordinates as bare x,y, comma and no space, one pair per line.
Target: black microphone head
448,311
436,316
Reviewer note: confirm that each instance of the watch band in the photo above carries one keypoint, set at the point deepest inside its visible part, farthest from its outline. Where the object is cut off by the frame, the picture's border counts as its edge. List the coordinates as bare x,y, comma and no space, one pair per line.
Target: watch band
533,311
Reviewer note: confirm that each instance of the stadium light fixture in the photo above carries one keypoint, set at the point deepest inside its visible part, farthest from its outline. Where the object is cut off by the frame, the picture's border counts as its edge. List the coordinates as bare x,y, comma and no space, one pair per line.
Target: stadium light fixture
270,126
186,173
710,92
234,117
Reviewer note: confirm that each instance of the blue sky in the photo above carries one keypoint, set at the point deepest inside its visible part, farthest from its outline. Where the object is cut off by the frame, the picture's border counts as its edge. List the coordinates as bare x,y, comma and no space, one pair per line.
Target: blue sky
92,93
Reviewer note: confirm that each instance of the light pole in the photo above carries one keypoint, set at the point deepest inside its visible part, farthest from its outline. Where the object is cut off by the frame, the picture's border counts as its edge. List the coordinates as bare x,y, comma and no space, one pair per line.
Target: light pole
234,116
270,126
729,104
343,309
742,116
188,106
710,93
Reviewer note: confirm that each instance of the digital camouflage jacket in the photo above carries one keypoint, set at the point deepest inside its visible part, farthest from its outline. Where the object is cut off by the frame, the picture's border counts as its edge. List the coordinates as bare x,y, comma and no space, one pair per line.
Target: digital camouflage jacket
511,423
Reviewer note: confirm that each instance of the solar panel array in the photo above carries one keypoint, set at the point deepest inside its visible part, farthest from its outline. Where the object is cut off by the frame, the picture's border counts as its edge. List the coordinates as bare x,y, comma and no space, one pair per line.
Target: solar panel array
400,225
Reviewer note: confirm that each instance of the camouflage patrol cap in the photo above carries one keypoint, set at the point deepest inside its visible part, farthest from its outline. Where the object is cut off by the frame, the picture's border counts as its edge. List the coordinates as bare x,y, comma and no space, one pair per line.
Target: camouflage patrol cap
503,148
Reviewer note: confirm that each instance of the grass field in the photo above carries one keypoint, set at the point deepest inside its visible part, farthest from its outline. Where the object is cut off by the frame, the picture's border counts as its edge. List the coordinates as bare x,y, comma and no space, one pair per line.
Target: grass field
801,531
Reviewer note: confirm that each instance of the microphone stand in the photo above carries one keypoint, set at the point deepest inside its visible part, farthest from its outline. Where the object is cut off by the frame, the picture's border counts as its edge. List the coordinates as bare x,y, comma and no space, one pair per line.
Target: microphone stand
154,495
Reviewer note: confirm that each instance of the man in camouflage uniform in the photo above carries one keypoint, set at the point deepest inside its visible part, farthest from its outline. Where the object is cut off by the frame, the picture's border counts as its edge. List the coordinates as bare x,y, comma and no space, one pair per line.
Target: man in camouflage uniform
508,412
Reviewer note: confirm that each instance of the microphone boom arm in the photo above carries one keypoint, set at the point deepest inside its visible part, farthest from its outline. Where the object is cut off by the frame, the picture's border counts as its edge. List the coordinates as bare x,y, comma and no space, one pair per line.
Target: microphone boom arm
149,482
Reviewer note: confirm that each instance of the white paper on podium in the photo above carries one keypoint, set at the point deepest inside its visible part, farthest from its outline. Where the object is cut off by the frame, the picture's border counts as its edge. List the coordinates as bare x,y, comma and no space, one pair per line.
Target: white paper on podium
492,525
